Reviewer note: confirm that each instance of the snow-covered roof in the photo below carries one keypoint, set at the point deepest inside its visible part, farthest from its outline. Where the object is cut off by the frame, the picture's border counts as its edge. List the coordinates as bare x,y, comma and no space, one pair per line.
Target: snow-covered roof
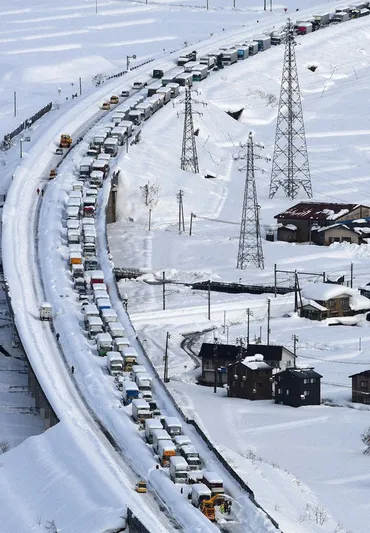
313,304
317,211
255,362
327,291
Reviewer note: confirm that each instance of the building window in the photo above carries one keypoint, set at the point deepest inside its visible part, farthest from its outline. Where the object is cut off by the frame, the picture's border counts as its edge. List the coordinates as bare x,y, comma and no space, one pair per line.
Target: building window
289,363
312,380
306,392
306,380
363,385
280,391
344,302
332,304
287,392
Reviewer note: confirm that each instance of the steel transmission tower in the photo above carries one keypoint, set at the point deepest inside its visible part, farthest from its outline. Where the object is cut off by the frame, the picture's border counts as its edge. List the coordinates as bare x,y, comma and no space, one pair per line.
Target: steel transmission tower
290,168
250,242
189,156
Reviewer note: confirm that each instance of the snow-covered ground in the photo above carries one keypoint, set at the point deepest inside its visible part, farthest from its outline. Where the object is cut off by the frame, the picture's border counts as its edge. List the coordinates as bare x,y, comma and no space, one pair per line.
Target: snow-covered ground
73,46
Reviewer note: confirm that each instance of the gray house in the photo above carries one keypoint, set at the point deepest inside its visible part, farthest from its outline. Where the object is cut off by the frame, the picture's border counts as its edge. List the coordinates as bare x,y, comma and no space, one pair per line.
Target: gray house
275,356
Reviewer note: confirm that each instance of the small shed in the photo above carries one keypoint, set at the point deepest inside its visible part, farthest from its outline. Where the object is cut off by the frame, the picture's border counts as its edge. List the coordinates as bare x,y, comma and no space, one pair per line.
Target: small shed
361,387
250,378
297,387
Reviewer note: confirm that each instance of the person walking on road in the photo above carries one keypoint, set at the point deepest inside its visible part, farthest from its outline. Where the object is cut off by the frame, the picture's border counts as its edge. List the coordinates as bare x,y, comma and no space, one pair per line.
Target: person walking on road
38,191
72,369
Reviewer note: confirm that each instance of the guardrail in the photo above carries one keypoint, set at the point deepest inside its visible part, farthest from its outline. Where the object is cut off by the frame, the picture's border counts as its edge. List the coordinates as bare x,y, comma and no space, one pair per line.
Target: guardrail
5,145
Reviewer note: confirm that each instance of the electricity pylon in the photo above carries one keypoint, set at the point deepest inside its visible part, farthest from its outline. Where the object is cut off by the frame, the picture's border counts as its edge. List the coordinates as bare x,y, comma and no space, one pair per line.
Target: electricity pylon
189,156
250,242
290,168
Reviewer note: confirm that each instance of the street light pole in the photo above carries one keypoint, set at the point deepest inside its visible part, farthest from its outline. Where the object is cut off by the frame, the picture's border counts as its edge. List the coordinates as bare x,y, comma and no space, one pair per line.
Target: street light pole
96,7
128,61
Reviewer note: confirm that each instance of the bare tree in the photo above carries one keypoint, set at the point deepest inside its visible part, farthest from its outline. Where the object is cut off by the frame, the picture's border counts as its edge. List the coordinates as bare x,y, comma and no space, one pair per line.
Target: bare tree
150,193
365,437
51,526
4,447
99,79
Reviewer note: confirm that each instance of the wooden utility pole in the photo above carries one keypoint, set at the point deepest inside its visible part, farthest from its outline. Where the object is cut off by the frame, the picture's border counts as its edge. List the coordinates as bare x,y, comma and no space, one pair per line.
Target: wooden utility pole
166,379
15,103
249,314
181,211
209,299
215,361
164,291
192,215
351,275
295,340
150,219
268,320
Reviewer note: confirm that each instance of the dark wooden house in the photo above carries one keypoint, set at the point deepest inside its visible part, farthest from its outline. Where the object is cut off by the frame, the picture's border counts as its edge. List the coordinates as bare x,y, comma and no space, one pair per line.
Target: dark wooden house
361,387
301,222
297,387
218,356
250,378
275,356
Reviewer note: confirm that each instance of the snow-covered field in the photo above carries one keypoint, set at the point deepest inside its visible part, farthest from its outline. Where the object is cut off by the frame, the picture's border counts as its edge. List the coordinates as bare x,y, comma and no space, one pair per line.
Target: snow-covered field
47,48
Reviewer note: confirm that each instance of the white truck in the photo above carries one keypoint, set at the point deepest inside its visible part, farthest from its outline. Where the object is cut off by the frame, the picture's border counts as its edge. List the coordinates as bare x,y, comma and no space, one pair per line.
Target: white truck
144,382
120,133
46,311
120,343
94,326
129,355
109,315
103,343
136,369
85,167
88,311
200,492
111,145
150,425
114,363
179,469
140,410
116,329
172,425
213,481
73,236
181,440
192,457
166,450
157,436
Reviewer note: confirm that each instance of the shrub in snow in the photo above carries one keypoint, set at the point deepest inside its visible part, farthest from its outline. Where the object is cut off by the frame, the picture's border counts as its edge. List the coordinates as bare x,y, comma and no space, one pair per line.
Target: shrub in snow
4,447
365,437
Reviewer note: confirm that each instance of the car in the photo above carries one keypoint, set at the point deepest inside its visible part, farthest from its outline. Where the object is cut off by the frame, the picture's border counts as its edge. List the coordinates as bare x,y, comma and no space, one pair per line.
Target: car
105,106
59,151
125,93
141,487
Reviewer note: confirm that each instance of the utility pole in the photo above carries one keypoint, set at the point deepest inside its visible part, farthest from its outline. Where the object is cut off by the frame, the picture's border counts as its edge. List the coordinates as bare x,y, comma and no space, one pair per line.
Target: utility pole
150,219
192,215
295,340
164,291
295,292
275,280
179,197
15,103
290,168
250,242
209,299
351,275
189,155
165,369
268,320
80,82
224,328
215,346
249,314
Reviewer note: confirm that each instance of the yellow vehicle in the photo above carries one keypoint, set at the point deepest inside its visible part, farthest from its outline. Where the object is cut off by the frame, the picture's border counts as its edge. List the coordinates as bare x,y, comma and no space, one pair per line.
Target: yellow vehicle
208,506
53,174
114,99
105,106
141,486
65,141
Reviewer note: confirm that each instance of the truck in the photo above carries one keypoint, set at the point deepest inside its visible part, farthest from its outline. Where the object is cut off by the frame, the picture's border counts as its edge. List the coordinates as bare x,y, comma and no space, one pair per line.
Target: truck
157,436
100,165
204,501
146,110
73,213
167,92
181,440
172,425
77,271
103,343
85,167
136,369
323,19
128,125
88,311
116,329
140,410
229,57
264,42
253,47
192,457
111,146
120,342
103,303
114,363
153,87
179,469
340,16
157,74
65,141
213,481
129,356
46,311
200,73
199,493
150,425
120,133
94,326
96,276
175,89
190,56
144,382
135,115
109,315
169,76
96,178
243,52
91,263
302,28
166,450
130,392
208,60
75,258
185,79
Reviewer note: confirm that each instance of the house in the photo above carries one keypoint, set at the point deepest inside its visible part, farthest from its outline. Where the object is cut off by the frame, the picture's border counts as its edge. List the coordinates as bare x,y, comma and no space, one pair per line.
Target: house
354,232
301,222
250,378
275,356
328,300
297,387
218,356
361,387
